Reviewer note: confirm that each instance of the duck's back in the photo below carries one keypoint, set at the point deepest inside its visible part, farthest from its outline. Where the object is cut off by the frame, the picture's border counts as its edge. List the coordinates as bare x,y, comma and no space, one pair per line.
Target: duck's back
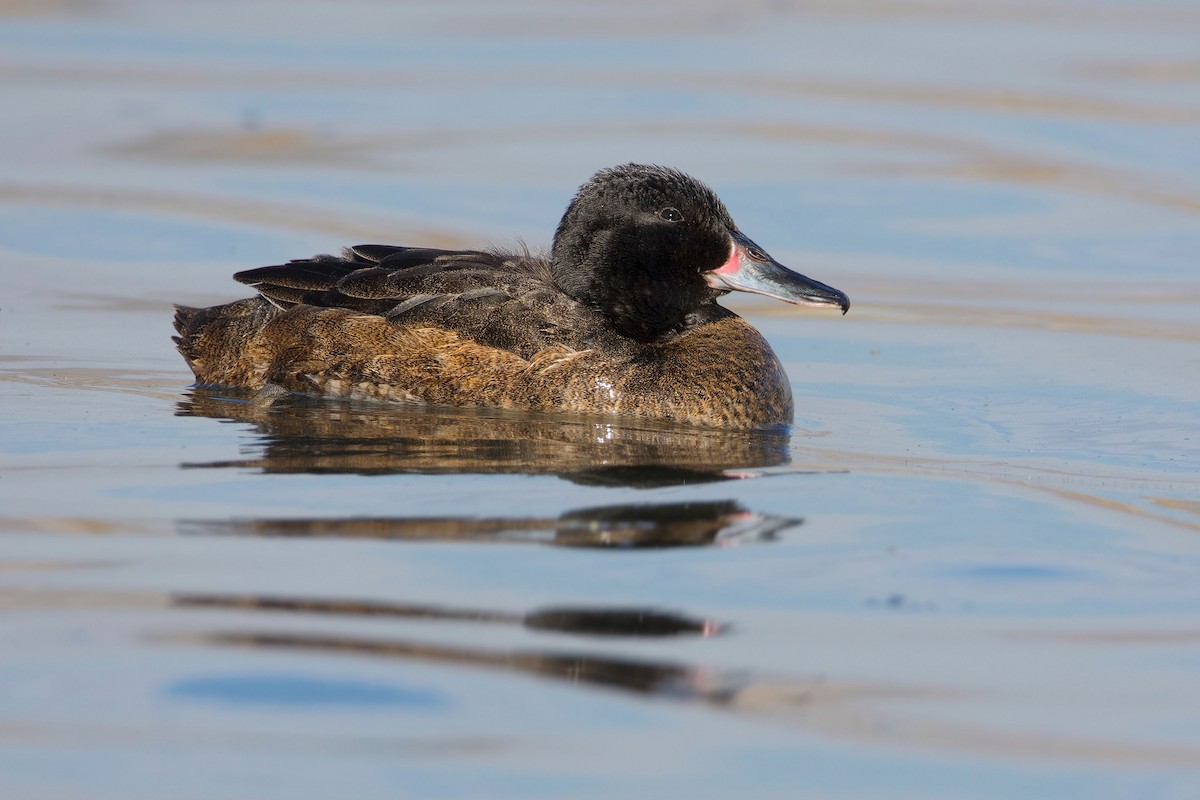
503,300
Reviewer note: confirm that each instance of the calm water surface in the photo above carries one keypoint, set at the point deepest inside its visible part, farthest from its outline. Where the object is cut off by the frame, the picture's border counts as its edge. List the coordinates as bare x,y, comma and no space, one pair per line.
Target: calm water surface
971,569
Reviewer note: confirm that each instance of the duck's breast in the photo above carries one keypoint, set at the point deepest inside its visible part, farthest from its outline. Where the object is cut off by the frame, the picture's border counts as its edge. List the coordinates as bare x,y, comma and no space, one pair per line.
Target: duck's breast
721,374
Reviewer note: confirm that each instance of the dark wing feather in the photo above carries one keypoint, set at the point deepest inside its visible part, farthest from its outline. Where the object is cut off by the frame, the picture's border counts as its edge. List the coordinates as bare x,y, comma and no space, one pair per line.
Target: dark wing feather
319,273
501,300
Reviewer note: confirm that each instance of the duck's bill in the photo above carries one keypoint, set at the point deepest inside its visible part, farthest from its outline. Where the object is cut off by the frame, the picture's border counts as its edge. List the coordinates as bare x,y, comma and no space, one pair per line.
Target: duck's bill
750,269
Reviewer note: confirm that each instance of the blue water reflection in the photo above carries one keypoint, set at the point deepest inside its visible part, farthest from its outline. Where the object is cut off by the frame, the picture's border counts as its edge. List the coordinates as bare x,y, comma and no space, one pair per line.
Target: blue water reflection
302,691
133,237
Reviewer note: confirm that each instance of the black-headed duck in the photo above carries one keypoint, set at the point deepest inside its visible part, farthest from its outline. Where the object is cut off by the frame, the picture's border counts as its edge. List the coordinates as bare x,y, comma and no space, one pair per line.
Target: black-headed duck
621,318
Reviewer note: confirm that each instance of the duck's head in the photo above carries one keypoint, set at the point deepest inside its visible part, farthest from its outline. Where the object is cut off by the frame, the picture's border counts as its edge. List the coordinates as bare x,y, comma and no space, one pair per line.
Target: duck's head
649,246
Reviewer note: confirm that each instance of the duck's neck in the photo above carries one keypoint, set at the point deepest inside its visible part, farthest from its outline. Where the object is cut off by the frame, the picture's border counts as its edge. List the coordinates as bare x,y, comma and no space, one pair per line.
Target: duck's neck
640,298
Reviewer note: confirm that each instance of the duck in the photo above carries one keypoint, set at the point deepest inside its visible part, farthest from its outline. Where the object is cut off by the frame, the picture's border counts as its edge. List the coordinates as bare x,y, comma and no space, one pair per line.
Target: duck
620,318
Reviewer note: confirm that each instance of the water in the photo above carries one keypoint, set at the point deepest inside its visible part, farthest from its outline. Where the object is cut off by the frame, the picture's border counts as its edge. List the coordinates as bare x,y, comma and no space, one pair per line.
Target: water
970,570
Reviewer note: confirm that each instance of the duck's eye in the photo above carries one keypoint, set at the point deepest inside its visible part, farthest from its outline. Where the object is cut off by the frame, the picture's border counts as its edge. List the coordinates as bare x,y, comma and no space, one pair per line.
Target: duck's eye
671,215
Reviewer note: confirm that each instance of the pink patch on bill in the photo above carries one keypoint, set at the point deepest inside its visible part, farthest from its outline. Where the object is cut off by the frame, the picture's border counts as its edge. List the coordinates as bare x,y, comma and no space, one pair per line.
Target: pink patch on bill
734,262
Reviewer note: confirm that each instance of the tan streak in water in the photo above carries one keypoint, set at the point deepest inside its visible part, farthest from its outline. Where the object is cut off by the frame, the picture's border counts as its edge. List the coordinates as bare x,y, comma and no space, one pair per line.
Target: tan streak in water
909,730
962,159
84,600
1027,15
1130,637
1075,177
1190,506
42,8
971,160
1035,478
160,384
365,227
926,314
1154,71
1043,104
259,146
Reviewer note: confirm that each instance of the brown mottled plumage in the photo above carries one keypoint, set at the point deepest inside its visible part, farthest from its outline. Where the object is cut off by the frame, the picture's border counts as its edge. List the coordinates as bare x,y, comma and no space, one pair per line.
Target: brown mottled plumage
621,319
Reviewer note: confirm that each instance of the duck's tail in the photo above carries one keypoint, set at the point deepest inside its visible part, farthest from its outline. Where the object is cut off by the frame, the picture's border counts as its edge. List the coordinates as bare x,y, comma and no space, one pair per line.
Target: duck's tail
220,343
188,323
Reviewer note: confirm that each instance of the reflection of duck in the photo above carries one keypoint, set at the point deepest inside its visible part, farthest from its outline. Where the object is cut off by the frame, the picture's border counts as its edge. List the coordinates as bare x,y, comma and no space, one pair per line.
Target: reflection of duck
620,319
584,621
643,677
626,527
306,435
819,700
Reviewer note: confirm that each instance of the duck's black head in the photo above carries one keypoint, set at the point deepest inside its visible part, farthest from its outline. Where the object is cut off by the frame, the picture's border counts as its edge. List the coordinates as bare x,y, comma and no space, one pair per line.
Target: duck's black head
649,247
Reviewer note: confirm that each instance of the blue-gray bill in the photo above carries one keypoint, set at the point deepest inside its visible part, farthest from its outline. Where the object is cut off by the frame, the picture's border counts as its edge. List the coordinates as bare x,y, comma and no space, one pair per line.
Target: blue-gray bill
751,269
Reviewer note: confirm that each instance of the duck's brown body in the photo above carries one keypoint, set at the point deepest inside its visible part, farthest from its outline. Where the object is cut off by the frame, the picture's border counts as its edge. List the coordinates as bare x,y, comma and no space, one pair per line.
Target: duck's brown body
720,374
620,318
